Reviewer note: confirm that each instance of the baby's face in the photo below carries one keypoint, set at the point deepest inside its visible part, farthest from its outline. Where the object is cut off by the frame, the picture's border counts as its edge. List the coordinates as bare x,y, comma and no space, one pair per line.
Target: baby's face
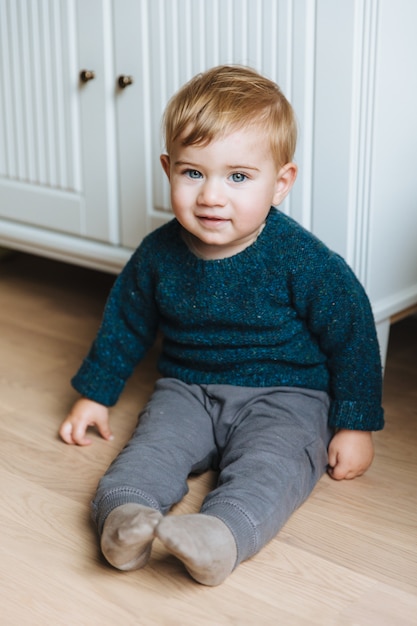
221,193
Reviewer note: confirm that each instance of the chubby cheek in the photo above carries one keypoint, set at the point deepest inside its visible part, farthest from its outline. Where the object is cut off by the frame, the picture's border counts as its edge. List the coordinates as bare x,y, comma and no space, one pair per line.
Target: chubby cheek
181,201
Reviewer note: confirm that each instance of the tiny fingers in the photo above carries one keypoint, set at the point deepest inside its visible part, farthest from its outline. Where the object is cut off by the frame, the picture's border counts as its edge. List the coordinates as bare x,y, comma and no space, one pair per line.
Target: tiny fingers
78,436
74,435
340,472
105,432
337,470
335,473
65,432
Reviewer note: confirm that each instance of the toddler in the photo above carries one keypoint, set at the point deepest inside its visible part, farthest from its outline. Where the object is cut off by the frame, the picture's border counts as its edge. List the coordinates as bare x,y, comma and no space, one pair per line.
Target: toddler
270,366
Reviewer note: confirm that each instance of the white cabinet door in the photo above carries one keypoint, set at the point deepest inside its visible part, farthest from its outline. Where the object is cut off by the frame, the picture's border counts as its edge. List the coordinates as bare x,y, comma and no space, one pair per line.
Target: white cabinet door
40,181
162,44
57,167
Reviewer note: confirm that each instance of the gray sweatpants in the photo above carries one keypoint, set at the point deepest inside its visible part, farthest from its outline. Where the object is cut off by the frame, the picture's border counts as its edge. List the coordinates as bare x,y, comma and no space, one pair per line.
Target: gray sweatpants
269,445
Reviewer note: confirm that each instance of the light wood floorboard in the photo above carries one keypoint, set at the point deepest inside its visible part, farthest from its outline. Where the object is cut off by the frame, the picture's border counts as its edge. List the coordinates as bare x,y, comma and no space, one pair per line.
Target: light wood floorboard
348,557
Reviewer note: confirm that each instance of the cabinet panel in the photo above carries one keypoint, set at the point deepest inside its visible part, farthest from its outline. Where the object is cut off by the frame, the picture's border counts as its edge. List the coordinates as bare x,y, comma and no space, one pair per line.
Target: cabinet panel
332,122
58,134
392,251
189,37
136,162
39,147
162,44
94,27
40,206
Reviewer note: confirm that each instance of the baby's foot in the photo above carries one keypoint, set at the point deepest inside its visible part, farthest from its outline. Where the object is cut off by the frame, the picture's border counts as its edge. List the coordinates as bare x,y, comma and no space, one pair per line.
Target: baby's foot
203,543
127,536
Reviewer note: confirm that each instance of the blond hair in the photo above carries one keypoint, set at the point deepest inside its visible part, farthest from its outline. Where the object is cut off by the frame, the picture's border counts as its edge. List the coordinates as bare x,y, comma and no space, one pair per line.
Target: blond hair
228,98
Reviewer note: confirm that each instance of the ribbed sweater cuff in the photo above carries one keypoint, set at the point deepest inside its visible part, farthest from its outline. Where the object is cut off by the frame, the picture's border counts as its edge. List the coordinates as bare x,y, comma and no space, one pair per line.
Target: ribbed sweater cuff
356,416
96,384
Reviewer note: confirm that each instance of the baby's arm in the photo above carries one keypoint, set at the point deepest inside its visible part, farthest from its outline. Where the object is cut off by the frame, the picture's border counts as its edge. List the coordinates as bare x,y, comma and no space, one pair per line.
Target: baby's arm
350,454
83,414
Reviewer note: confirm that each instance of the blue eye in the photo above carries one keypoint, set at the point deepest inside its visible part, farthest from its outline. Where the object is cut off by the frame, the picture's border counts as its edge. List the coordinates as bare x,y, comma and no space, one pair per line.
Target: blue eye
193,174
238,177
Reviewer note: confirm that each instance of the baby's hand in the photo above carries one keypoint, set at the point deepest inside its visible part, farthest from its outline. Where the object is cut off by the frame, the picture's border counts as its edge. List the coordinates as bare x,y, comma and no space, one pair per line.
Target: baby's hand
83,414
350,454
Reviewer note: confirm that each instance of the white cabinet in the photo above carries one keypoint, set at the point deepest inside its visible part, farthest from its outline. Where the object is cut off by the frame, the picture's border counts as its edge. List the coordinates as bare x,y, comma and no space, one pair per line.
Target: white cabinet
68,146
364,201
39,120
80,178
56,177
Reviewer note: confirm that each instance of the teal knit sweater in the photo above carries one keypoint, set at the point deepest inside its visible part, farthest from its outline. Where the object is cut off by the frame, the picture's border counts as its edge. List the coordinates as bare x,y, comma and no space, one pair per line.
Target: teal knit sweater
286,311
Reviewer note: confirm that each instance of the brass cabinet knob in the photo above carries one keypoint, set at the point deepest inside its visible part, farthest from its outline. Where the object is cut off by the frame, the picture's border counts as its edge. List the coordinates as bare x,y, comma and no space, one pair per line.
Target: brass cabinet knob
86,75
124,81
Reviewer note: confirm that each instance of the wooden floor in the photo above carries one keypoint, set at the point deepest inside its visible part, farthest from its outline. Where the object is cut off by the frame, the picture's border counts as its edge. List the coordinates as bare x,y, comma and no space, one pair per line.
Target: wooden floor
347,557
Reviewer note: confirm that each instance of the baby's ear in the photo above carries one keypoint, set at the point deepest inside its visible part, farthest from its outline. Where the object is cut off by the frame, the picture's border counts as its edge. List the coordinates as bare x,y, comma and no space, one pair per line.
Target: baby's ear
285,180
166,164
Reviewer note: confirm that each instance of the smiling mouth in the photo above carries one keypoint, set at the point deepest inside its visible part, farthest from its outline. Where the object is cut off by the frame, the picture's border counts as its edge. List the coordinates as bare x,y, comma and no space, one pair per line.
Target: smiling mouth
212,224
211,219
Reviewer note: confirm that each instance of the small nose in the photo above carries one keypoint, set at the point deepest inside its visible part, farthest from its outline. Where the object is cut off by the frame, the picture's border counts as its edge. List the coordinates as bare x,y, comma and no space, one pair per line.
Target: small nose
211,194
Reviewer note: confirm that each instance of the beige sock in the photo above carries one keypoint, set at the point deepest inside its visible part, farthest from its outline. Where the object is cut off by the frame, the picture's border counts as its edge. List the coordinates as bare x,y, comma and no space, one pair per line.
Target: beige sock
127,536
203,543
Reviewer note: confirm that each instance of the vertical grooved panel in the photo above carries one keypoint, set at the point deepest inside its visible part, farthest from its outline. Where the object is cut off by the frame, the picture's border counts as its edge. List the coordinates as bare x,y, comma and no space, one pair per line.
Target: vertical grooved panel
48,112
16,86
364,68
6,146
189,36
38,119
25,78
38,127
58,93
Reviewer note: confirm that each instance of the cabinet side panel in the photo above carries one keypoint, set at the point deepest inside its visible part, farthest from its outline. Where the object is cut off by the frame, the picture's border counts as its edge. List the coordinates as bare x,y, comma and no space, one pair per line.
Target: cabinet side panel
392,255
